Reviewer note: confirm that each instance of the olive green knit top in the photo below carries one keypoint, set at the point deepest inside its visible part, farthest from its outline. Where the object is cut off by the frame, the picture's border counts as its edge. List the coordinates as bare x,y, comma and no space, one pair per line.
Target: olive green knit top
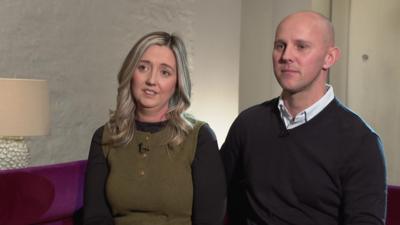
150,182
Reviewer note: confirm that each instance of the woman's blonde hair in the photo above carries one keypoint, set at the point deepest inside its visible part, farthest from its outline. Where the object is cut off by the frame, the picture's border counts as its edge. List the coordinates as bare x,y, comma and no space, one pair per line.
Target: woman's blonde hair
122,120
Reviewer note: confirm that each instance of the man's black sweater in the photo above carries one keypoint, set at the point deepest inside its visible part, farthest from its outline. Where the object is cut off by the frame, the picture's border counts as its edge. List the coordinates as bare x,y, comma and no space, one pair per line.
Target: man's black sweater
329,170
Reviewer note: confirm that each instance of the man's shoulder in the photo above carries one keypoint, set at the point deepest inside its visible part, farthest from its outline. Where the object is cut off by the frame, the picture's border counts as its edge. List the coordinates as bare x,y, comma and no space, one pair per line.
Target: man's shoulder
260,109
350,120
256,115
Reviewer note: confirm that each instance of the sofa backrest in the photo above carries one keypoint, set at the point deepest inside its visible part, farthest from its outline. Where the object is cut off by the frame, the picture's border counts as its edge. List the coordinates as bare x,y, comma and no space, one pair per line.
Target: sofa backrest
51,194
41,194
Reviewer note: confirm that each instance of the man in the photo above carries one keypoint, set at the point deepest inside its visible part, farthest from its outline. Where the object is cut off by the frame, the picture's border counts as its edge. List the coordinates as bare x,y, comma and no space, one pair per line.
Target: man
304,158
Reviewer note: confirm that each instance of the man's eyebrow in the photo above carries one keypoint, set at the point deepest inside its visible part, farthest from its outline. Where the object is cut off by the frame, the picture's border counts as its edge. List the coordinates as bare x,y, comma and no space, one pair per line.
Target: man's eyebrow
279,41
302,41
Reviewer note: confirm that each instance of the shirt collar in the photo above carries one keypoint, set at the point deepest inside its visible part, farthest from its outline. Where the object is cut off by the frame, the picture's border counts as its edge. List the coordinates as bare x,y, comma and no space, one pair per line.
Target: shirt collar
308,113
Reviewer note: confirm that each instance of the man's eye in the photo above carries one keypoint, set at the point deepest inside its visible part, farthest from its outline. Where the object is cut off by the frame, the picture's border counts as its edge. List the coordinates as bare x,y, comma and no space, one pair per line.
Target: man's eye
279,46
301,46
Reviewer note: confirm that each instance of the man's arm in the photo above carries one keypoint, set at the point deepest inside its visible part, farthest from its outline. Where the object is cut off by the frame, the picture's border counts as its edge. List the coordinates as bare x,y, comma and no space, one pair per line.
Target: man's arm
230,154
364,184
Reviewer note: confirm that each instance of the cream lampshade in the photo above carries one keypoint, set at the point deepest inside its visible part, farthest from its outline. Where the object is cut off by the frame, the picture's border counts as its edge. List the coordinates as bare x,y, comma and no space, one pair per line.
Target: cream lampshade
24,111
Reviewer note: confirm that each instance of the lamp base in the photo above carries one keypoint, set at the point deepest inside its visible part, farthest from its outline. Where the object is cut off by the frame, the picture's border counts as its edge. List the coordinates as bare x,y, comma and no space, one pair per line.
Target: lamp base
13,153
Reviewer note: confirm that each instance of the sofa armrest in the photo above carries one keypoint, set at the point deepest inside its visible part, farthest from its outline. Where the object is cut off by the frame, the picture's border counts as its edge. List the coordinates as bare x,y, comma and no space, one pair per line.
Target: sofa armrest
41,194
393,205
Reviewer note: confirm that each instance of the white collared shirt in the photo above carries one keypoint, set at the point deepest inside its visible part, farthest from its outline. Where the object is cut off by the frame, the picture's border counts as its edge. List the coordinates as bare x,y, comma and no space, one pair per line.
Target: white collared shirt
309,113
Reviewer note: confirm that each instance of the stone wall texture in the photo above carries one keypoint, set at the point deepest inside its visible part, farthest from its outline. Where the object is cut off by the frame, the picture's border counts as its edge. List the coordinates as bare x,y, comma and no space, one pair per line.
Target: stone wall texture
79,45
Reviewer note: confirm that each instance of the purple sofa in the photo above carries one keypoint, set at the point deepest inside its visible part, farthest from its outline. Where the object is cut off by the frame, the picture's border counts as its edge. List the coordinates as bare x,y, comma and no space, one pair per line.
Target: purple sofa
43,195
53,195
393,205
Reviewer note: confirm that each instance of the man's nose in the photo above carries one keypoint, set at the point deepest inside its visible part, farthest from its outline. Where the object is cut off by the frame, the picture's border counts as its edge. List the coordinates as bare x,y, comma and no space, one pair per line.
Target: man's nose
287,55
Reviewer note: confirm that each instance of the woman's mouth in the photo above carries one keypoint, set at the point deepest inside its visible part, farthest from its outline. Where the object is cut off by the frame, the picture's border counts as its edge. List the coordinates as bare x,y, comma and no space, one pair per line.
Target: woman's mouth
149,92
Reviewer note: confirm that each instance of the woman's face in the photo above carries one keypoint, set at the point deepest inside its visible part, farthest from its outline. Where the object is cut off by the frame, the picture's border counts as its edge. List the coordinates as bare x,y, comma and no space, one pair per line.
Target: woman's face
153,83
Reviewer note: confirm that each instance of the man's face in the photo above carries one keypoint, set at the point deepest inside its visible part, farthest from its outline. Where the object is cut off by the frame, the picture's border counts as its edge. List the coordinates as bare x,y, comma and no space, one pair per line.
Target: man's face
300,54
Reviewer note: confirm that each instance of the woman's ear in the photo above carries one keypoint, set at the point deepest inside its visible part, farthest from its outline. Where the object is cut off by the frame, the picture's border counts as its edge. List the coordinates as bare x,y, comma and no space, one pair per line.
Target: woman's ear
331,57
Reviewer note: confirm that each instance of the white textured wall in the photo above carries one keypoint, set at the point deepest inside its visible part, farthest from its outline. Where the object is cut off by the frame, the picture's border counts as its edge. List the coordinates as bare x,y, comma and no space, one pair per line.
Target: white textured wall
256,77
259,21
79,45
373,82
216,63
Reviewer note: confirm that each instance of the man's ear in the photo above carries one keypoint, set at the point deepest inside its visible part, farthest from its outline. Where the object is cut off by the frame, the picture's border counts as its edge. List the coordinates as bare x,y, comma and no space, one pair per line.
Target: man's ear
331,57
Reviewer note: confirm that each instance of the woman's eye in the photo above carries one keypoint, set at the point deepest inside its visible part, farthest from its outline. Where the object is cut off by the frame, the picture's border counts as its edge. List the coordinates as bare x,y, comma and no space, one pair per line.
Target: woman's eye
142,67
165,72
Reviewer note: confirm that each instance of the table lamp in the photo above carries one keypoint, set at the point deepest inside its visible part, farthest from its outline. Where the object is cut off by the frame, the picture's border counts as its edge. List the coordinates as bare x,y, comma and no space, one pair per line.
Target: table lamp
24,112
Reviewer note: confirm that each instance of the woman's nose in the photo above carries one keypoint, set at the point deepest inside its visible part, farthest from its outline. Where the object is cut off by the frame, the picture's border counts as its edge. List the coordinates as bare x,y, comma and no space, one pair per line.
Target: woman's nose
152,77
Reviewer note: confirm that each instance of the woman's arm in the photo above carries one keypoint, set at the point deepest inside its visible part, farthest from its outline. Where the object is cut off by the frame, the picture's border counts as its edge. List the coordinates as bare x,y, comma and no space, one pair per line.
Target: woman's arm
209,186
95,207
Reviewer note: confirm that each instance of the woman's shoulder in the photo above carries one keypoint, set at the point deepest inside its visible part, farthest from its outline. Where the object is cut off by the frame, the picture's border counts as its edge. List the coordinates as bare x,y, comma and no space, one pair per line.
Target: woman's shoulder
98,134
202,130
102,137
196,124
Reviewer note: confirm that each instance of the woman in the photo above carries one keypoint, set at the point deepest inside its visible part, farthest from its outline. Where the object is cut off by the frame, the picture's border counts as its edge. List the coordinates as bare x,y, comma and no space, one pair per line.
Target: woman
152,163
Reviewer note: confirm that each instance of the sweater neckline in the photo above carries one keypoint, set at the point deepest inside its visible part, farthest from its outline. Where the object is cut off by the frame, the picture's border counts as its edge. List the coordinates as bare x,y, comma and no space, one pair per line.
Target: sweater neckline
151,127
309,123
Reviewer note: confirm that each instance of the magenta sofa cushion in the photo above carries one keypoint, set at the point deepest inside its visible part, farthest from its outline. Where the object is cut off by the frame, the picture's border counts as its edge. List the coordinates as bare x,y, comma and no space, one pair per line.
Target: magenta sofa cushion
48,195
393,205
